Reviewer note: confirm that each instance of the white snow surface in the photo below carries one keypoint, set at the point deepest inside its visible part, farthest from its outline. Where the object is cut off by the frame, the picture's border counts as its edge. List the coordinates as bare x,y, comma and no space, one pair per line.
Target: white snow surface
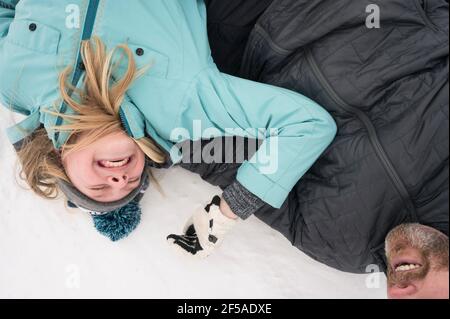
50,251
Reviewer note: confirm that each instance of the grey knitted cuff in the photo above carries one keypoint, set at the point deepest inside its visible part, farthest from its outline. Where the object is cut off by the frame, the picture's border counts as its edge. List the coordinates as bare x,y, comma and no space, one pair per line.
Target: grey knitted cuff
241,201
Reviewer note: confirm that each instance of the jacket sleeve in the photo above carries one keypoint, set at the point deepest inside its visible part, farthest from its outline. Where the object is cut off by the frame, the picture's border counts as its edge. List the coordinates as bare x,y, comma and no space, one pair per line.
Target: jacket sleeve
7,11
241,202
296,132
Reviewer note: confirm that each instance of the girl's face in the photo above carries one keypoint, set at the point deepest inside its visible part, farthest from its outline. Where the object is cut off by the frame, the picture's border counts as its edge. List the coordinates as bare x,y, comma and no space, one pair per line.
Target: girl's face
108,169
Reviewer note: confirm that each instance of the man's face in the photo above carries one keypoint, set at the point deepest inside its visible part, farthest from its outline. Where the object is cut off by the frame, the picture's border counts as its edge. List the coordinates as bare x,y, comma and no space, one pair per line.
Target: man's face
418,260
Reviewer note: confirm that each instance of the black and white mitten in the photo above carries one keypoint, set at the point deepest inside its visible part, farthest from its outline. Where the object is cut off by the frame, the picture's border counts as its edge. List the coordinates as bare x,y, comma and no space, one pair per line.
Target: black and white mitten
204,231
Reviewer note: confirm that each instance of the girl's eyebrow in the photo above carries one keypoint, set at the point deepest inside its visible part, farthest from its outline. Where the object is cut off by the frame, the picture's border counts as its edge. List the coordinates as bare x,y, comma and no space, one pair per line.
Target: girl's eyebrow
97,197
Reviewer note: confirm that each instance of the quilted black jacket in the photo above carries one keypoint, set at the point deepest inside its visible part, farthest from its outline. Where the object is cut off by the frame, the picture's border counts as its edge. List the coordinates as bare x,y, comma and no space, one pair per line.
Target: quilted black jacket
387,89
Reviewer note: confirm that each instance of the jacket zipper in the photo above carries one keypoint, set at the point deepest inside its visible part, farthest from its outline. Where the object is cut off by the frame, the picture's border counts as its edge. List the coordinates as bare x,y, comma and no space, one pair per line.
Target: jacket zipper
373,136
125,123
78,68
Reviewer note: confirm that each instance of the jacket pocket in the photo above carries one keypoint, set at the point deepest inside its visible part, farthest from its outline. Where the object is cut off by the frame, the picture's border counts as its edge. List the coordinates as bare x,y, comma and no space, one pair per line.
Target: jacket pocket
34,36
156,64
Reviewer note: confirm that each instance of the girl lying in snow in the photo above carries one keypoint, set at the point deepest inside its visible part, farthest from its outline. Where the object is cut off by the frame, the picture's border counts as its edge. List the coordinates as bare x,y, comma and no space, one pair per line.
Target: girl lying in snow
110,96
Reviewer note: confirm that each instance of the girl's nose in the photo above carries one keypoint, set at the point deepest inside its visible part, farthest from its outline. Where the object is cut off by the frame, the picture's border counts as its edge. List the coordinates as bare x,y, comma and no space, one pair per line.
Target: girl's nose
119,180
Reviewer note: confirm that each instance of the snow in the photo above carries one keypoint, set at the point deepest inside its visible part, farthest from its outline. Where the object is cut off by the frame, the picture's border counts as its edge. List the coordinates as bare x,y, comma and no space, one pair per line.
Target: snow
50,251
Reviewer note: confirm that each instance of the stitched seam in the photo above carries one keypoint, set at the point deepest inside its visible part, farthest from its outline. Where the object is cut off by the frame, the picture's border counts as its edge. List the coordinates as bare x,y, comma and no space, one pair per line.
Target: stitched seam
190,83
350,212
259,30
6,5
340,195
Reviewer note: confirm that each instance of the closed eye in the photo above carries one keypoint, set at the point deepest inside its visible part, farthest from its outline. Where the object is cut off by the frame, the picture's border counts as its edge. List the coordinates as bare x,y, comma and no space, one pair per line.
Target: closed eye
99,188
106,186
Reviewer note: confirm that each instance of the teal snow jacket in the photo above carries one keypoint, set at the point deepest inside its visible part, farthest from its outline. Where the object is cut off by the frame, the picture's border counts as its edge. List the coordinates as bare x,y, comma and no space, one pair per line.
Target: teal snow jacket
182,96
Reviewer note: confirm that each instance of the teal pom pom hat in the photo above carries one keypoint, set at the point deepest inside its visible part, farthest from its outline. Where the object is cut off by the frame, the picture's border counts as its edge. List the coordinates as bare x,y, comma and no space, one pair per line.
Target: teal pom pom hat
120,223
115,220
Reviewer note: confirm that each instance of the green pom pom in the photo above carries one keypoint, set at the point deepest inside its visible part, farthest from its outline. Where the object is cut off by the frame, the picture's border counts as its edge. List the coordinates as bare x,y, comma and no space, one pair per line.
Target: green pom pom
119,223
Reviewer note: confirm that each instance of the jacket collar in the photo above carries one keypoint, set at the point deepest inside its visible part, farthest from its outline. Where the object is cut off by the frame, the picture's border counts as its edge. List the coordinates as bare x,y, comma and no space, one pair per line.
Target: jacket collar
138,127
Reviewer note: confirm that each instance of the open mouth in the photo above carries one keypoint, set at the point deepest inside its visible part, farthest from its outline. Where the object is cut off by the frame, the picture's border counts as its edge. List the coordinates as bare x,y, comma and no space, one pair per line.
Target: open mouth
115,163
404,265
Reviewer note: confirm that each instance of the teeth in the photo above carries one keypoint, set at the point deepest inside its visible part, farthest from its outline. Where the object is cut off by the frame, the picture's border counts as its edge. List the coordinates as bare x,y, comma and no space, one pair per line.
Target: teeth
110,164
407,267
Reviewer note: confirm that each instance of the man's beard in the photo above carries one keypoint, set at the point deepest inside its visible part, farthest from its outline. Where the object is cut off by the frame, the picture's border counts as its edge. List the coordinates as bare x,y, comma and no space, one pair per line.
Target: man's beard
431,248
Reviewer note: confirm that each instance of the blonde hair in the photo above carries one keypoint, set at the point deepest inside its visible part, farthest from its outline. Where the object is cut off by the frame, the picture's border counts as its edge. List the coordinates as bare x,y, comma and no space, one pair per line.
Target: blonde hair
96,107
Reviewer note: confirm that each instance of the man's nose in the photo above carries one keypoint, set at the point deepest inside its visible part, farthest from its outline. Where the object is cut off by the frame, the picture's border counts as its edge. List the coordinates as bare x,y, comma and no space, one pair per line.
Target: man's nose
119,180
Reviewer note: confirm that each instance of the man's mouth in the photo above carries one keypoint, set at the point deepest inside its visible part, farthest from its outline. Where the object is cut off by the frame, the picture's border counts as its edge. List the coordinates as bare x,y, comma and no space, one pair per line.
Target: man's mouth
406,267
115,163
